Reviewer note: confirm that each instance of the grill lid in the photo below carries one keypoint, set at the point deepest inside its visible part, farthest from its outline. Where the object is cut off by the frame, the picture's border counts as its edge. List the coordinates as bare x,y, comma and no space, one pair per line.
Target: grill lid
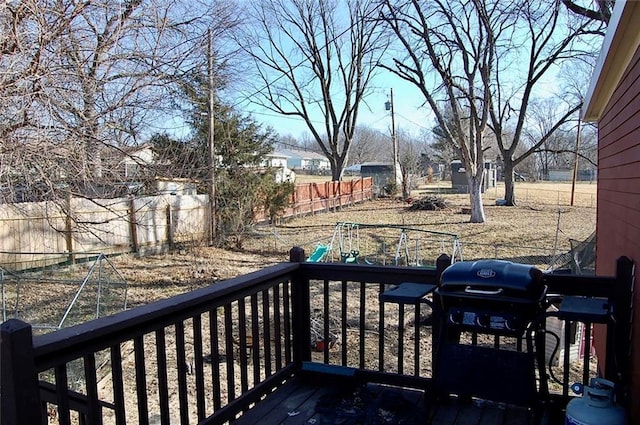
493,279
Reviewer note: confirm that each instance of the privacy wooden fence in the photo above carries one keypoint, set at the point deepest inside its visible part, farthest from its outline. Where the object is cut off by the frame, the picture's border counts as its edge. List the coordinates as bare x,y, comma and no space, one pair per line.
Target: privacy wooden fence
310,198
44,233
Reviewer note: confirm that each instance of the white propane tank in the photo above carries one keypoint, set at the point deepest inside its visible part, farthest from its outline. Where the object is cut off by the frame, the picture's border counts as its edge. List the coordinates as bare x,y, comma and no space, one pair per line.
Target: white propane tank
596,406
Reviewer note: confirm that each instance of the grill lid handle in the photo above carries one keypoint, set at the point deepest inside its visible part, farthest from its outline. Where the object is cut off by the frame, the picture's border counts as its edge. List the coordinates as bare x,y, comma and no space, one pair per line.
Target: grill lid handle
470,290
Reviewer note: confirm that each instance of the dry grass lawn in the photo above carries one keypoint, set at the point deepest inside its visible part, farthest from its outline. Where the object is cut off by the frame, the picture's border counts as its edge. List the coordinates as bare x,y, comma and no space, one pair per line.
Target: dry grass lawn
542,215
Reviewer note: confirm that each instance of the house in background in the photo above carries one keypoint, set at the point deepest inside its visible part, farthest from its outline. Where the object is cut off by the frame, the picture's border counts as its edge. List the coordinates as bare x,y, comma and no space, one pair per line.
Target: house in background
459,180
613,101
275,160
305,160
175,186
136,158
384,182
278,161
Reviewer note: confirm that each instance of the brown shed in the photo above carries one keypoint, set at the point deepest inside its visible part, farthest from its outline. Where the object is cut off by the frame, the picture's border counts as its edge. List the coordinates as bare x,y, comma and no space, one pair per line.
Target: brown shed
613,101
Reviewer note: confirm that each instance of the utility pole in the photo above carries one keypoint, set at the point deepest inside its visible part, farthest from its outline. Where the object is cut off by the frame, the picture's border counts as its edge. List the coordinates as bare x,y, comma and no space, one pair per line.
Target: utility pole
212,144
394,139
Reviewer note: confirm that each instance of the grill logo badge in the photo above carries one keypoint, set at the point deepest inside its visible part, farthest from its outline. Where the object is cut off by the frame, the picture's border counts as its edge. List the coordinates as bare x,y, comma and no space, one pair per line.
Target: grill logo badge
486,273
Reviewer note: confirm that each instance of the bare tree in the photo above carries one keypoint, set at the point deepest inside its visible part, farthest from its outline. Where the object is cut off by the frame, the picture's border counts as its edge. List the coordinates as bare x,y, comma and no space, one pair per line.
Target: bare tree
410,150
369,145
316,58
559,149
542,117
551,37
84,82
448,52
488,58
602,13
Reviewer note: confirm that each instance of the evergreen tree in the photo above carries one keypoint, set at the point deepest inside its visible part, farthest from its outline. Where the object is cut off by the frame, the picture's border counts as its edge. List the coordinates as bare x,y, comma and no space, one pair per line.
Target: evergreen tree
243,185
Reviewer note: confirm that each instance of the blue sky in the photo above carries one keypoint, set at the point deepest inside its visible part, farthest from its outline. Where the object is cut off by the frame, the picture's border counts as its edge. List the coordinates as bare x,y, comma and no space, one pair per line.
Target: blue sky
410,114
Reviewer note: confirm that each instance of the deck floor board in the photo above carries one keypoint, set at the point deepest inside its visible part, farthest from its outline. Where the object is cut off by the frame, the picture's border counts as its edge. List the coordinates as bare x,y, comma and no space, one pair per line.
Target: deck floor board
299,402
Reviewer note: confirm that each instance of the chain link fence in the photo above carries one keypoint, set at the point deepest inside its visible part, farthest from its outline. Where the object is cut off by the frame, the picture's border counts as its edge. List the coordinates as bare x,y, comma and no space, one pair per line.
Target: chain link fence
58,297
580,259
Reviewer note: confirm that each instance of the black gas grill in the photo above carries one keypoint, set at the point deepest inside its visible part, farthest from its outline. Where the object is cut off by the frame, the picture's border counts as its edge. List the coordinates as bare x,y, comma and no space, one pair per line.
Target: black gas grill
491,296
488,298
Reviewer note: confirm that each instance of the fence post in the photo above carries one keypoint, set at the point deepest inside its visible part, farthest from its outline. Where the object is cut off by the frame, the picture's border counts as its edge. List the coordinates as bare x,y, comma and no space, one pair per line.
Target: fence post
301,319
133,225
618,360
296,207
68,229
20,401
169,226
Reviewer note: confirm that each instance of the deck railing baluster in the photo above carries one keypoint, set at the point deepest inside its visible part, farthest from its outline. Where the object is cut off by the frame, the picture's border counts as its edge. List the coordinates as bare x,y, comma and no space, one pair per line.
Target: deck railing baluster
286,305
215,360
416,338
266,323
118,385
141,379
199,367
182,369
326,317
343,322
362,325
228,342
255,336
242,346
163,382
91,383
400,338
62,395
277,327
381,342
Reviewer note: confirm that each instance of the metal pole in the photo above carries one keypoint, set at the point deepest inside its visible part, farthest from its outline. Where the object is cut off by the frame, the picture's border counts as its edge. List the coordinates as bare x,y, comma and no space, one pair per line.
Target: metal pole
394,140
575,164
212,145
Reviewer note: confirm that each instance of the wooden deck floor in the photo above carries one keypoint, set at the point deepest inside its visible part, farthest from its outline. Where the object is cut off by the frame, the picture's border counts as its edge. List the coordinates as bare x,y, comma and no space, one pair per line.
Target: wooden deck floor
300,402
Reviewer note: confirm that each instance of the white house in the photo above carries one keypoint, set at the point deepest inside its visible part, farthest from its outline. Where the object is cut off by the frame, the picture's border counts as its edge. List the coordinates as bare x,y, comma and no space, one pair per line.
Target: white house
279,161
305,160
275,160
136,157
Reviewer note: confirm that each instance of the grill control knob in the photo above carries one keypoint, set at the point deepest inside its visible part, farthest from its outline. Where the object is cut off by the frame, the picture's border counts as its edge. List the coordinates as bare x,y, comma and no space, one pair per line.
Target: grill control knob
512,324
456,317
483,320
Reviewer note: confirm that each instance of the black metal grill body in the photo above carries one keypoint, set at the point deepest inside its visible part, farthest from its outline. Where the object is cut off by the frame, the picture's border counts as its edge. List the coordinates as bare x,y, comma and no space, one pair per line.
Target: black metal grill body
495,298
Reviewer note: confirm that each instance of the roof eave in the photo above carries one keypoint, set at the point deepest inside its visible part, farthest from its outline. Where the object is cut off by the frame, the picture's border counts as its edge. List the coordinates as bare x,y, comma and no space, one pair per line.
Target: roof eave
619,46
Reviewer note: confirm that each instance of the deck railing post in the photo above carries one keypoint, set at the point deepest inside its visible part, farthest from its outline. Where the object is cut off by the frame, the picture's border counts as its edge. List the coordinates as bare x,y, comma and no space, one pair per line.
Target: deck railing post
442,262
300,314
618,358
20,401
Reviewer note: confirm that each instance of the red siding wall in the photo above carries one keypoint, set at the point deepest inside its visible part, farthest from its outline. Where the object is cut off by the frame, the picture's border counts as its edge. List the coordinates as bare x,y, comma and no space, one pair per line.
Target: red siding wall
618,216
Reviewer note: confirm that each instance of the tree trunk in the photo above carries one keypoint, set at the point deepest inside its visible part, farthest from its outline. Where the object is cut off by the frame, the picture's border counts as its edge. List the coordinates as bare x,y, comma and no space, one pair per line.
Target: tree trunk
336,173
509,186
405,182
475,197
337,168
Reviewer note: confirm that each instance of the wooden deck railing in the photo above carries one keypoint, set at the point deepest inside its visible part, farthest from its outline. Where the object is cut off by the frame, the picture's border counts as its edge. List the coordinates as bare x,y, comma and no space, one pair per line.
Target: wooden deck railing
209,355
